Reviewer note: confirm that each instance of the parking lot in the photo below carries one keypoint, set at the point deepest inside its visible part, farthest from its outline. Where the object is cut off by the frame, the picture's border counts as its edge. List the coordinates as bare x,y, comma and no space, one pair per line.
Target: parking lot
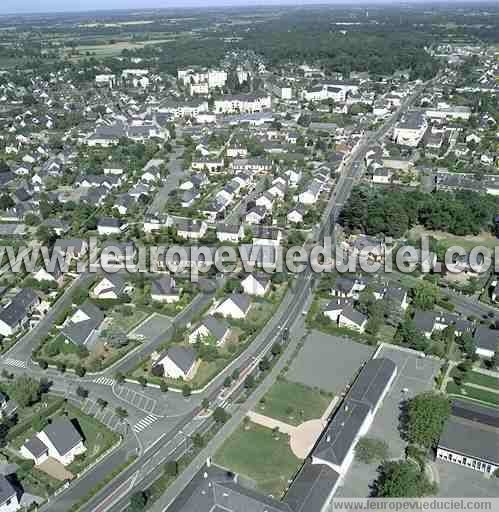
138,400
328,362
154,326
414,376
104,414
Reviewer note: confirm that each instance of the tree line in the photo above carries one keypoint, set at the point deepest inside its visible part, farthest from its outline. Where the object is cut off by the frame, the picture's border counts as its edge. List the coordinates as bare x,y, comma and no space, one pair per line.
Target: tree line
393,212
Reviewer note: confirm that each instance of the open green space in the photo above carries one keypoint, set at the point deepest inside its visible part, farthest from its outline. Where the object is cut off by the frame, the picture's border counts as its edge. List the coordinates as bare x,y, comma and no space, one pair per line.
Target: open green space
480,379
259,454
482,395
293,403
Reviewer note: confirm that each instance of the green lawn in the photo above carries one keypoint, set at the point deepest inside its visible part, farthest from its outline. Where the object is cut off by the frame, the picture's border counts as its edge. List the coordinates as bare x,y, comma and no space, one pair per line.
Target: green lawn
483,380
482,395
293,403
257,454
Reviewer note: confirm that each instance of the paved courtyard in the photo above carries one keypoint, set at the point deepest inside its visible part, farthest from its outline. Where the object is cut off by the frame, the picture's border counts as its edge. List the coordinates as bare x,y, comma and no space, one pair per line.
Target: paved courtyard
456,481
328,362
414,376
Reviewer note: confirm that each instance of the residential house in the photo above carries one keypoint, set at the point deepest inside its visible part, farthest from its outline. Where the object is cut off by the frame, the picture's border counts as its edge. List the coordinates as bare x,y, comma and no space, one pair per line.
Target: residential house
111,287
263,235
255,215
235,306
334,309
256,284
16,313
191,229
209,329
179,363
164,289
110,226
486,341
296,214
352,319
232,233
9,501
82,327
60,440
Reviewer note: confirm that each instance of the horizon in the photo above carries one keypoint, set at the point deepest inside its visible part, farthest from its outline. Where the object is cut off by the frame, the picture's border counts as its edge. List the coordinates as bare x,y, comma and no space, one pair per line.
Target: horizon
31,7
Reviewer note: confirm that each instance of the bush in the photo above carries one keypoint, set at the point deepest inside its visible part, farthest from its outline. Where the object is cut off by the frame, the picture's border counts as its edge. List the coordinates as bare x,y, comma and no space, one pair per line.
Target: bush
158,370
186,390
163,386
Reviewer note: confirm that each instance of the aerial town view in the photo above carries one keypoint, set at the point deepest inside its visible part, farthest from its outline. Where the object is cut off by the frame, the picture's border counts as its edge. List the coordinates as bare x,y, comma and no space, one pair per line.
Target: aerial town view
249,255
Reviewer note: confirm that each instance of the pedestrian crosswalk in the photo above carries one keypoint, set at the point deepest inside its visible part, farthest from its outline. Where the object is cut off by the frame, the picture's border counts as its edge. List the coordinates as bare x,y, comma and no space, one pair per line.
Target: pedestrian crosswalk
106,381
145,423
14,362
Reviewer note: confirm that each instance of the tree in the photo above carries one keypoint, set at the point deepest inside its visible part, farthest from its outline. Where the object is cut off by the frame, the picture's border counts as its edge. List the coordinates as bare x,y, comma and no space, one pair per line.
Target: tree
249,382
426,417
425,295
6,202
220,415
369,450
198,440
138,501
163,386
102,403
205,404
142,381
186,390
81,392
80,370
121,413
119,377
409,335
402,479
171,468
227,382
26,391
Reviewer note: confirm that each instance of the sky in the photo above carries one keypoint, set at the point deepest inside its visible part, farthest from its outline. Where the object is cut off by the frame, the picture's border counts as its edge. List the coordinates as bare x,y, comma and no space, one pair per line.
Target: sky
35,6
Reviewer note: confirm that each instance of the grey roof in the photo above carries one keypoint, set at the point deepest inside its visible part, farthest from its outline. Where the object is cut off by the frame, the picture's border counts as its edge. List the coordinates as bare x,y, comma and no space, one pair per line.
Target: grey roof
486,338
336,304
412,120
241,300
79,332
228,228
73,244
164,285
35,446
471,439
117,283
363,397
353,315
109,222
217,328
183,357
7,490
476,412
18,308
63,435
214,490
312,488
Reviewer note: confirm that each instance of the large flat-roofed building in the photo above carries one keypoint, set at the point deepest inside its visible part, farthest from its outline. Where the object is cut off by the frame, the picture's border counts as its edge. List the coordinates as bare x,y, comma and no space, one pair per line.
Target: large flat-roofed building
471,437
411,129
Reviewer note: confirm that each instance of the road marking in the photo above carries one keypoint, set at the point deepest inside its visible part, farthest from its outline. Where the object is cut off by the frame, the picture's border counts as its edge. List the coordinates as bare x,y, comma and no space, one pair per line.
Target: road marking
14,362
106,381
145,423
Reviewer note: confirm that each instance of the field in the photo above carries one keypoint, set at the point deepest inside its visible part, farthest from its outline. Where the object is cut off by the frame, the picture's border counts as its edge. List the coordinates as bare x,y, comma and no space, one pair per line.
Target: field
293,403
447,240
257,454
